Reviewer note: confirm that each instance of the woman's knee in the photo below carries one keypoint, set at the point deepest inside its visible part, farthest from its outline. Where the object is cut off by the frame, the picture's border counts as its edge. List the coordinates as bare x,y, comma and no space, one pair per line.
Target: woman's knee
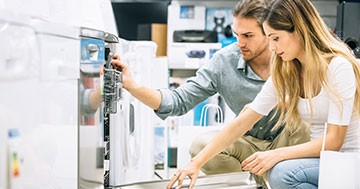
278,176
296,173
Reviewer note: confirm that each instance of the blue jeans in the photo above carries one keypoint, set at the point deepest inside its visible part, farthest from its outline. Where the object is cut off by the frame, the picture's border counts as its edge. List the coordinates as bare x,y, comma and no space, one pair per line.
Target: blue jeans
295,173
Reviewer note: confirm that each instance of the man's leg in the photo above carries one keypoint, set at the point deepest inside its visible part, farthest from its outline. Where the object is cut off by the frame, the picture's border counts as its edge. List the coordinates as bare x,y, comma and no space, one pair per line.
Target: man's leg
291,136
227,161
230,159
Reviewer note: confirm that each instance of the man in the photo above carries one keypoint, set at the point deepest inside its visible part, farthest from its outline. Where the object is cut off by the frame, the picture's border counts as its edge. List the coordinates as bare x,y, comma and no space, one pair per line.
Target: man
237,72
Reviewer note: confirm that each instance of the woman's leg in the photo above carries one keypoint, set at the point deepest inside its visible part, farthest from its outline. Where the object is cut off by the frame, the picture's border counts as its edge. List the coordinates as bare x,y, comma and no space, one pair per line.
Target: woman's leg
295,173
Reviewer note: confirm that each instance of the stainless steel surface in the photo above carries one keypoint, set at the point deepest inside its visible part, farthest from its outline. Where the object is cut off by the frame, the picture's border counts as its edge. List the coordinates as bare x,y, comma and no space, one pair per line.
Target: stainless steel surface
93,33
111,38
240,180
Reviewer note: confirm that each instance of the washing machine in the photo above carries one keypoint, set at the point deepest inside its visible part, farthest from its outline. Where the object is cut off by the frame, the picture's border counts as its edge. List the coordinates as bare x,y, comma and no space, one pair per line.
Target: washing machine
132,127
91,145
38,103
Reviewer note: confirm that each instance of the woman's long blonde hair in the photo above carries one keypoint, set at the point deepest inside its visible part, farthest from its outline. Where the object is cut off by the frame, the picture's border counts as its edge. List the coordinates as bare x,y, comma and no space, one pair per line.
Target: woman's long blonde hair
320,46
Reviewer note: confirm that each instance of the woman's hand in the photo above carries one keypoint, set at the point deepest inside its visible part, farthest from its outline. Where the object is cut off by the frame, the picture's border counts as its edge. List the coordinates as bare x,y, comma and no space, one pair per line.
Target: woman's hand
259,162
190,171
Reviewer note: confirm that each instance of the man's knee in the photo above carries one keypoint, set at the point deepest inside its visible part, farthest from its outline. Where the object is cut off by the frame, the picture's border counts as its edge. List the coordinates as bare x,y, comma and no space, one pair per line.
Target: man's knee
224,162
299,134
200,142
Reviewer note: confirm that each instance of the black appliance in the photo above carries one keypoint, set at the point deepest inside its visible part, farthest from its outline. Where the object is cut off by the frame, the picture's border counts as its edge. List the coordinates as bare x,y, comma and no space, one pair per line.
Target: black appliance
195,36
347,25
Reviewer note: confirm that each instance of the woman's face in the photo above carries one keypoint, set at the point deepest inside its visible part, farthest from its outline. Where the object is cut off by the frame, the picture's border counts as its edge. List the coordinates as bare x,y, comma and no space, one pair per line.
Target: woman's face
285,44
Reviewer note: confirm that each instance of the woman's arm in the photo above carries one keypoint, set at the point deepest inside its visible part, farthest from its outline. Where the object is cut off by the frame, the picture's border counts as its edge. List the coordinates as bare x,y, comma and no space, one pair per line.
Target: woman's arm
260,162
335,137
235,129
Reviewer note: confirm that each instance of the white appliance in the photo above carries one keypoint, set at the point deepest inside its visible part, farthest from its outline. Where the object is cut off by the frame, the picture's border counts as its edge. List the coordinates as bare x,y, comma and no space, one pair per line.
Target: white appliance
59,53
96,14
39,83
16,36
132,128
98,89
91,148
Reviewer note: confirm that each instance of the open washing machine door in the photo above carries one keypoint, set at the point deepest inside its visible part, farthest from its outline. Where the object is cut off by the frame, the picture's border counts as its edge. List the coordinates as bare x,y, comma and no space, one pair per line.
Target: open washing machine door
240,180
91,147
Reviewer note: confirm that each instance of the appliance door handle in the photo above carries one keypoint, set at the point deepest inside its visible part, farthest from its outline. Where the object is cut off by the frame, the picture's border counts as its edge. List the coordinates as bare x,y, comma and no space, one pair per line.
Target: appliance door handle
93,47
129,129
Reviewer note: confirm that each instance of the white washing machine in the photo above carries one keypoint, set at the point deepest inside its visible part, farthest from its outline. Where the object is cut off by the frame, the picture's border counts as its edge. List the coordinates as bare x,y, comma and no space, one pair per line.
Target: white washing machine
59,81
39,83
19,68
91,148
132,128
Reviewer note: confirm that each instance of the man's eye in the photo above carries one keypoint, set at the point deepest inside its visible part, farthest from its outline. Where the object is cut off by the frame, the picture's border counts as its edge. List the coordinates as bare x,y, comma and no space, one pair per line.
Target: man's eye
276,39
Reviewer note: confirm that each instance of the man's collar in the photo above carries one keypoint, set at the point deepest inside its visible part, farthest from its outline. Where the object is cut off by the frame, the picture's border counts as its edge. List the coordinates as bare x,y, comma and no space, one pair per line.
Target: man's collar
247,70
242,64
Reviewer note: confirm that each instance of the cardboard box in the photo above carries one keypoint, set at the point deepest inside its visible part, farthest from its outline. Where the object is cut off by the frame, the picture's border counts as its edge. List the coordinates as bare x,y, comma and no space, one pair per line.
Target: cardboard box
159,36
155,32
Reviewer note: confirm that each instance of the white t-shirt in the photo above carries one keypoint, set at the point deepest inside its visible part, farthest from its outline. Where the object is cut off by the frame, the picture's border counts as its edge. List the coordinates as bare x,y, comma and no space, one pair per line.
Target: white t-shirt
325,105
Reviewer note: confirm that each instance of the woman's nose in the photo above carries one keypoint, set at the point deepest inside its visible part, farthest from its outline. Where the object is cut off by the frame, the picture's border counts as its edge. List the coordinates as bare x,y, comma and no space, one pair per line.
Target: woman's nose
272,47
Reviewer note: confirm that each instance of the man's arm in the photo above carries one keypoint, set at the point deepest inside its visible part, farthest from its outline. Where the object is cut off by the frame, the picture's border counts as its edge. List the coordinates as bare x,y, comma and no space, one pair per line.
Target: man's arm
149,97
171,103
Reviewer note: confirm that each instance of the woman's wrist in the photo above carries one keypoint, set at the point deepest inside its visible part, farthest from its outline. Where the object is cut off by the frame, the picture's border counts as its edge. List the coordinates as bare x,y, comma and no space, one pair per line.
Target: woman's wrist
280,154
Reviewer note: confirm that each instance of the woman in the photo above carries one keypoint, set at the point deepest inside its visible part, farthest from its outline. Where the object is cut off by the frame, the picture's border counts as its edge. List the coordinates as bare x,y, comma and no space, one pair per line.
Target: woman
318,79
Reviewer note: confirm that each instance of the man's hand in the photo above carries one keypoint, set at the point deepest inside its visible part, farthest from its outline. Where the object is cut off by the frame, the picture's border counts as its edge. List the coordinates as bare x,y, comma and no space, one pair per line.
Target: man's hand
127,79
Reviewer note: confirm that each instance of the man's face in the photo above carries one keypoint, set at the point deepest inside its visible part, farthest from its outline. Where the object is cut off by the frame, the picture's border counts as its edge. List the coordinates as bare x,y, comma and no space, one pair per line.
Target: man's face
251,40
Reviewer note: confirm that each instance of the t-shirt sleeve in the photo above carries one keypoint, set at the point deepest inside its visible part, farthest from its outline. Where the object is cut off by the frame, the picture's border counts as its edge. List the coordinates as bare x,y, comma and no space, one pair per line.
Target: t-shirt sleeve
266,100
341,77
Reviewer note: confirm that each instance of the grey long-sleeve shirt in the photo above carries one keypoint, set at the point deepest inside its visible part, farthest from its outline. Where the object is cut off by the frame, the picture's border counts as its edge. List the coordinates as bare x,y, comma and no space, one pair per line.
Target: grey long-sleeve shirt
229,75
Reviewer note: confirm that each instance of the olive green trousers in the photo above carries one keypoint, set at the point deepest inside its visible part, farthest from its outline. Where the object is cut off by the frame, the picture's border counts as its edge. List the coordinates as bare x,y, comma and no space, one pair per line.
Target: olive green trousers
230,159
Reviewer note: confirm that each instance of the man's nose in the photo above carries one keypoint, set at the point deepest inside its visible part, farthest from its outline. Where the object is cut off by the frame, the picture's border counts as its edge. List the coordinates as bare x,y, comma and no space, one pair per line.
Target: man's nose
241,43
